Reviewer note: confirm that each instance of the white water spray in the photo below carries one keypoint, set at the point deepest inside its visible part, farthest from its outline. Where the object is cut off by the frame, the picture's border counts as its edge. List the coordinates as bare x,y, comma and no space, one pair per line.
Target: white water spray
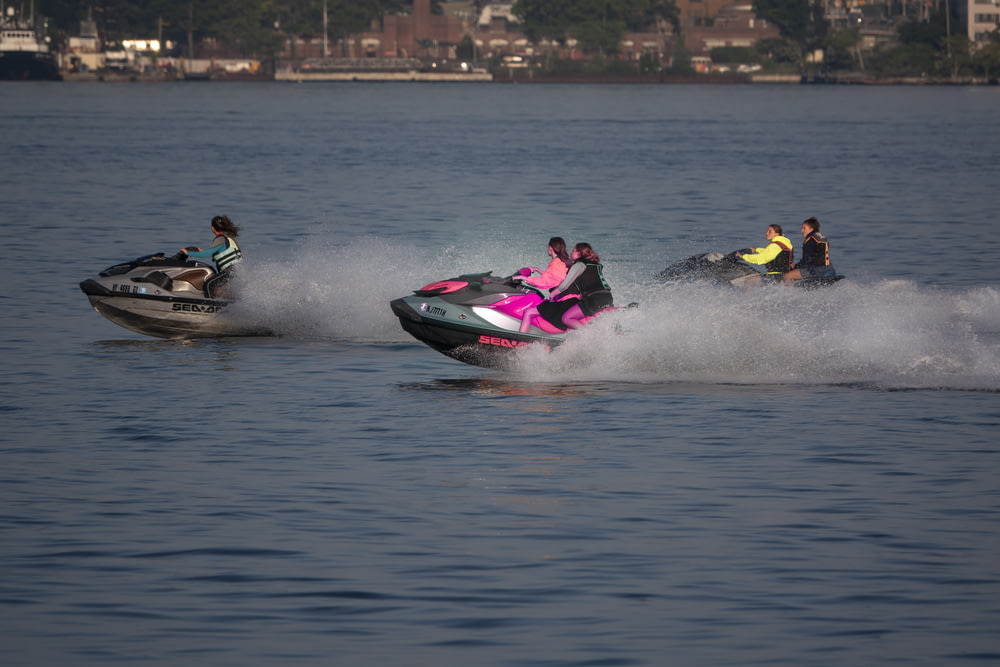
893,334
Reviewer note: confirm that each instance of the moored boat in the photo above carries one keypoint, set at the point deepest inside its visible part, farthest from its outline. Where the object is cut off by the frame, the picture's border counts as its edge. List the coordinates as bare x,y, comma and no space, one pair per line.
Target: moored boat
24,50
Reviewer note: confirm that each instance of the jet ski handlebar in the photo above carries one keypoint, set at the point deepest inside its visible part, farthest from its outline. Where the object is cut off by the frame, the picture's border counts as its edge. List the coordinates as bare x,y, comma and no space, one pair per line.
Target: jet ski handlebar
517,280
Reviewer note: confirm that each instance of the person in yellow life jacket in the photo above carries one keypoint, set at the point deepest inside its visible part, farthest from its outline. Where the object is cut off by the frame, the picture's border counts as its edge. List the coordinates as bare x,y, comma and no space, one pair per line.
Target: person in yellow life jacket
776,256
815,262
224,251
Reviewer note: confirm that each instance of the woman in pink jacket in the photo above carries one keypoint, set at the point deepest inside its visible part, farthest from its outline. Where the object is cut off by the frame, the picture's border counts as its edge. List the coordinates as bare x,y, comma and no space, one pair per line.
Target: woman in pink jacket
554,272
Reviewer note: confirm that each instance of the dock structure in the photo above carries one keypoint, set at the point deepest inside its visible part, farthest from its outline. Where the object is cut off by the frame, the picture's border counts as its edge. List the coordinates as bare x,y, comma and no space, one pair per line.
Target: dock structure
381,69
382,76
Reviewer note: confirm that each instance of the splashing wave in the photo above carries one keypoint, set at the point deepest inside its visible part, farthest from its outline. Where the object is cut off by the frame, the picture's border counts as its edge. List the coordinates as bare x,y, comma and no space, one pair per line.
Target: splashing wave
885,333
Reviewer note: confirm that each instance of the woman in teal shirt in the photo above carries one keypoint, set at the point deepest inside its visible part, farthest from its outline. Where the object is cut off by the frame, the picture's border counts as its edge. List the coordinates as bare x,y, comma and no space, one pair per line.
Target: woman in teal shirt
224,251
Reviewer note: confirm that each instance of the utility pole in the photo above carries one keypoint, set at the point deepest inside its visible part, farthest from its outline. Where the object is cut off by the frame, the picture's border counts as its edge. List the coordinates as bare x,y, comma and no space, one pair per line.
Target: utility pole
326,50
947,22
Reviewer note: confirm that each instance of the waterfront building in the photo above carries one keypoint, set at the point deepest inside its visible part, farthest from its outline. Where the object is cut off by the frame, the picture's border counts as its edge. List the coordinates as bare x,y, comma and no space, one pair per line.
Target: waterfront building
981,17
730,25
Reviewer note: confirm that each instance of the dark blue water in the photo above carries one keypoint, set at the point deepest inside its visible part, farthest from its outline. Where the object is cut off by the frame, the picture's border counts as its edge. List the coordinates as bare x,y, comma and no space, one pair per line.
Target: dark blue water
725,478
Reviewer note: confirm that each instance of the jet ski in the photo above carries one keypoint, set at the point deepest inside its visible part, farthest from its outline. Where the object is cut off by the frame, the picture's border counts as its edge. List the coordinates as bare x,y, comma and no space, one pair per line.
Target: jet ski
166,297
475,318
720,269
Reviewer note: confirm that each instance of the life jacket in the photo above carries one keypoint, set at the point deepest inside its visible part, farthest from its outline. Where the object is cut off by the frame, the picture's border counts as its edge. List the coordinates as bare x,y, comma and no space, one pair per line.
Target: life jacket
819,255
783,262
230,256
594,291
590,281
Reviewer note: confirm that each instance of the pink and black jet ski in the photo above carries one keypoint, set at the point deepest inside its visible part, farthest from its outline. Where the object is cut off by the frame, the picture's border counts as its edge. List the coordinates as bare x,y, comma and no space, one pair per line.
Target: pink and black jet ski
475,318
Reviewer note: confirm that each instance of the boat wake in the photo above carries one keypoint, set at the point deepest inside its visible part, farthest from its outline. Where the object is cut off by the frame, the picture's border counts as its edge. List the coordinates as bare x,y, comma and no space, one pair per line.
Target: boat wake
336,291
889,334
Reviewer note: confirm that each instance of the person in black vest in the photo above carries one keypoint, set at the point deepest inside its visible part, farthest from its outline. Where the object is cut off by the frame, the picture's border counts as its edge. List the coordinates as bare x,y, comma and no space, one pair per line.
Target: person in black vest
815,262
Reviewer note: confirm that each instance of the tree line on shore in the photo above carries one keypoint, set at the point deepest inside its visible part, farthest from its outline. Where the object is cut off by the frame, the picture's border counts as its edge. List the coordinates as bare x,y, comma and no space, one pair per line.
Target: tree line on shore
929,47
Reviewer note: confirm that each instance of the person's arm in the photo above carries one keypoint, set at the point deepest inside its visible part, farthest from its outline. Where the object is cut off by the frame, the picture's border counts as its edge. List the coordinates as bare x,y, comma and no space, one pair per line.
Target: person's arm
553,275
763,255
200,254
218,244
571,275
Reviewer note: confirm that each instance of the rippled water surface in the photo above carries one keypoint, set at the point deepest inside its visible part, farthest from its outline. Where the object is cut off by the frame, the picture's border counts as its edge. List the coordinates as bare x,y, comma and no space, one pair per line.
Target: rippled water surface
719,477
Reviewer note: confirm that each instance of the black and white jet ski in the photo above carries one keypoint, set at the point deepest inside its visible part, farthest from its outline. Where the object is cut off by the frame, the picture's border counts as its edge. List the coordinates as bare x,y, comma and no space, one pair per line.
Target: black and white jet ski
475,318
166,297
720,269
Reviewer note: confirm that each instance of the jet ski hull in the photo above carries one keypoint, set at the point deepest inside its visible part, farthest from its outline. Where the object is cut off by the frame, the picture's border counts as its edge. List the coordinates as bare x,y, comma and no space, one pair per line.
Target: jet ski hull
713,267
460,333
164,298
169,317
474,319
719,269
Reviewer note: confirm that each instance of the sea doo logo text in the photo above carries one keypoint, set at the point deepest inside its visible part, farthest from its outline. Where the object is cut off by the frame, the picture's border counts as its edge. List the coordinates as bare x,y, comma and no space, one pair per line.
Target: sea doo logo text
195,308
501,342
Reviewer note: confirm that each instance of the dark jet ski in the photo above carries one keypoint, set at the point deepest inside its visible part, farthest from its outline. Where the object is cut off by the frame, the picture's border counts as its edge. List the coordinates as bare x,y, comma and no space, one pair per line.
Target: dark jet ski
720,269
166,297
475,318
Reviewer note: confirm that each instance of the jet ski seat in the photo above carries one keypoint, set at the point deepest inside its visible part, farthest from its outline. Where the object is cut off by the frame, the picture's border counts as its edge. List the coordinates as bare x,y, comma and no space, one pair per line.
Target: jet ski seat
158,278
195,278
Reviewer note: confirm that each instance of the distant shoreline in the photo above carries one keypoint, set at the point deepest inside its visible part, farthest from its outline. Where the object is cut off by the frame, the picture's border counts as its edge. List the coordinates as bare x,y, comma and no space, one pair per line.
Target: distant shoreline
519,78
